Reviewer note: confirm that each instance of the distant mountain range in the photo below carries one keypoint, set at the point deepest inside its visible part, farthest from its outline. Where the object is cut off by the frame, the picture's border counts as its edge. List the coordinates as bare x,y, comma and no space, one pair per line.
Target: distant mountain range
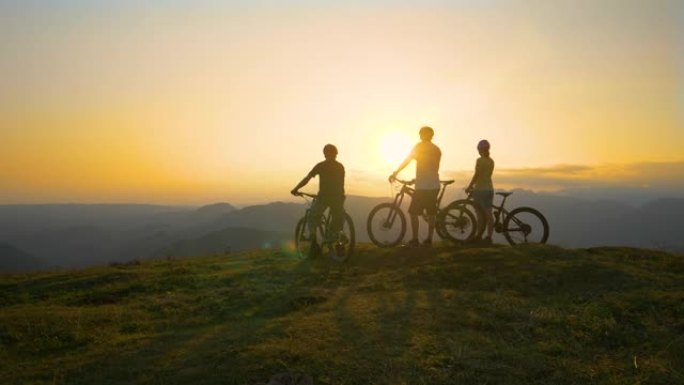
577,222
13,259
225,241
83,235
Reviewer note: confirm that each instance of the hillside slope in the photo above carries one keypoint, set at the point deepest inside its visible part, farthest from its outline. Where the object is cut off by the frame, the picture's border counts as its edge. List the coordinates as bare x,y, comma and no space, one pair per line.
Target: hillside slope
498,315
13,259
225,241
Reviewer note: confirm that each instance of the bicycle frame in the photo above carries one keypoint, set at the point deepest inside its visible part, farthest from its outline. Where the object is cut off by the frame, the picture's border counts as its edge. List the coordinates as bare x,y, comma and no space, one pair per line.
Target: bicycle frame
398,199
499,213
325,219
406,190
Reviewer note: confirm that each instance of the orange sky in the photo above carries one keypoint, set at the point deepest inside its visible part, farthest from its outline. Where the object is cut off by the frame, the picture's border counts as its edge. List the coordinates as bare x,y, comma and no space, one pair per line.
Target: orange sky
173,103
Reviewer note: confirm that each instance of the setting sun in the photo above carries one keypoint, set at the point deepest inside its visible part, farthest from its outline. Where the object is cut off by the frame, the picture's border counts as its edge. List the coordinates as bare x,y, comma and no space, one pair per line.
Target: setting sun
394,147
172,102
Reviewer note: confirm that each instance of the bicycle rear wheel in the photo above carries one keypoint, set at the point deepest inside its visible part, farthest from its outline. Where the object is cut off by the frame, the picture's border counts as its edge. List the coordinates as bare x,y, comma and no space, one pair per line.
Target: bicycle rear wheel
458,221
525,225
386,225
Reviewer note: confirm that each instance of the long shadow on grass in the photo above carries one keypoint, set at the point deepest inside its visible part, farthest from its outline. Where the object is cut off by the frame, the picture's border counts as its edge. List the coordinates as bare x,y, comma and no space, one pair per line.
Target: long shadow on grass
215,319
529,315
374,332
544,315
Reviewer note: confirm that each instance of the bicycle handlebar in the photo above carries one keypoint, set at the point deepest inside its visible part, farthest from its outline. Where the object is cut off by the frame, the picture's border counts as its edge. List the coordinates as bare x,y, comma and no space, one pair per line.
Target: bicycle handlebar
502,193
405,182
303,194
413,181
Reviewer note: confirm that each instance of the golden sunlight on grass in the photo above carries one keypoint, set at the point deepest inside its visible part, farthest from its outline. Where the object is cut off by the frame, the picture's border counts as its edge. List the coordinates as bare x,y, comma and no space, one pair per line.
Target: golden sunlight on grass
498,315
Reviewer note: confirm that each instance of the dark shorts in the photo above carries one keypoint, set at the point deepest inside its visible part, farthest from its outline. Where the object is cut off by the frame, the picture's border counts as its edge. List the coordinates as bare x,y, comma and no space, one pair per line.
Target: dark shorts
424,200
484,198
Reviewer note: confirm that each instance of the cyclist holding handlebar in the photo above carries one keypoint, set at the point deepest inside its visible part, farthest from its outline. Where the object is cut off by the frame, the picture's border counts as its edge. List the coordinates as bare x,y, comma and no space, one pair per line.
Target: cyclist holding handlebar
330,194
427,156
482,189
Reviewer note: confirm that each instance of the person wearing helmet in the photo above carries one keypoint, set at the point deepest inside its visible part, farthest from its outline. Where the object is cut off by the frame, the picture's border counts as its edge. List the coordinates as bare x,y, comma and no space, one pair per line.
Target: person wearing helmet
330,194
481,186
427,156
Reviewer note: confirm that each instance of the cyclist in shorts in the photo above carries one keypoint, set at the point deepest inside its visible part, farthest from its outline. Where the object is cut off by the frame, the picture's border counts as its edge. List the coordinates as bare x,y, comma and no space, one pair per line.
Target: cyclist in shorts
330,194
427,156
482,188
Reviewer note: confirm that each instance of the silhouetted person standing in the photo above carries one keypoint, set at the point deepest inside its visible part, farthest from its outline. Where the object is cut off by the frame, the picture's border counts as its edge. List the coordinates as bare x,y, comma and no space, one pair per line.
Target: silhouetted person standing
330,194
481,186
427,156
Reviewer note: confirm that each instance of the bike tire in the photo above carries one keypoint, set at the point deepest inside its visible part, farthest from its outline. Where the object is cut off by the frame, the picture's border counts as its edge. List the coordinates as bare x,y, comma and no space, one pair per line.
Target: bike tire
458,222
381,231
525,225
439,228
302,240
346,241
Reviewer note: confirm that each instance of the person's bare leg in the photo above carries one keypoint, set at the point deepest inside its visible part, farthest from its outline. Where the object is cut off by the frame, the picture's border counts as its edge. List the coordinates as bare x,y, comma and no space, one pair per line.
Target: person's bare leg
431,226
490,222
414,226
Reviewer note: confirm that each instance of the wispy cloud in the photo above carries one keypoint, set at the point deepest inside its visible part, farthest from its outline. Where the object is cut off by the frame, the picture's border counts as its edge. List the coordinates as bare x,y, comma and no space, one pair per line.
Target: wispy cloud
563,169
648,179
646,175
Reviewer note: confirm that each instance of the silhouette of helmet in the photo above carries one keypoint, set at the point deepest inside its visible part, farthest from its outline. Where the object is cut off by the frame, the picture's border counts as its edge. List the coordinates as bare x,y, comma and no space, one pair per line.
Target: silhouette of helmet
426,132
329,150
483,145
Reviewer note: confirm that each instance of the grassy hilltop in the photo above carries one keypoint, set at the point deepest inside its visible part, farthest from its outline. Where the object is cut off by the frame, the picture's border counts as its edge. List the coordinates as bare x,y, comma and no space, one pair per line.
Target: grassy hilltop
499,315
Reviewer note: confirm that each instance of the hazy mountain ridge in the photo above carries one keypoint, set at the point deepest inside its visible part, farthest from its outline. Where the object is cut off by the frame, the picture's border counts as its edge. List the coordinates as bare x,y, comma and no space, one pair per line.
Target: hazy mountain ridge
577,222
81,235
13,259
225,241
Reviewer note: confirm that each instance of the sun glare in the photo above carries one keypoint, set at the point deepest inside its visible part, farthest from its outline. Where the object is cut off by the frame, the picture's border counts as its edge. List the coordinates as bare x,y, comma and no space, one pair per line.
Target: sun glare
394,147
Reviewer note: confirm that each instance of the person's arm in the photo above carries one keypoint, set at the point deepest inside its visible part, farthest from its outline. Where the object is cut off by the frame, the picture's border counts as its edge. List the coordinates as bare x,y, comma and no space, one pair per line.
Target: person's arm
475,175
295,191
402,166
307,178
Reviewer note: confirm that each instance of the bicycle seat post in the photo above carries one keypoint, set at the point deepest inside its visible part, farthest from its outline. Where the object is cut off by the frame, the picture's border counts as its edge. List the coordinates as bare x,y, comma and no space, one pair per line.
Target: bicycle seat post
503,201
441,195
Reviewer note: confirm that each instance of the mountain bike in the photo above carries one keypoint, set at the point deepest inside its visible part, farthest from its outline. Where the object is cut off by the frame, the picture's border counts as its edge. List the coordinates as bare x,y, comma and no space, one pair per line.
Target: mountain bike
386,222
520,225
340,245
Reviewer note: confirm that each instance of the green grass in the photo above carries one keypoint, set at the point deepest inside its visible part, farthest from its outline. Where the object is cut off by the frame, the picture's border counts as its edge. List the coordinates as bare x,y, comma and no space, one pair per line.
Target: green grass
498,315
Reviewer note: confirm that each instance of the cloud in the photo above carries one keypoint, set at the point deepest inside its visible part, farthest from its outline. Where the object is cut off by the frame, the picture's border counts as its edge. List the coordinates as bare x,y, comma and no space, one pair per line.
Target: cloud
647,175
634,183
563,169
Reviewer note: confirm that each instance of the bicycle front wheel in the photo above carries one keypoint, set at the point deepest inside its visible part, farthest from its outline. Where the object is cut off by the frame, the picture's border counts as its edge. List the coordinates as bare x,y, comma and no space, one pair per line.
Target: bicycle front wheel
525,225
386,225
303,241
342,245
458,221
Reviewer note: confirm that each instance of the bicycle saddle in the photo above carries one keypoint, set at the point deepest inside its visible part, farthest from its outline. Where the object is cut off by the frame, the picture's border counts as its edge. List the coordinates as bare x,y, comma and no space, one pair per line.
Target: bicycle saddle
504,194
446,182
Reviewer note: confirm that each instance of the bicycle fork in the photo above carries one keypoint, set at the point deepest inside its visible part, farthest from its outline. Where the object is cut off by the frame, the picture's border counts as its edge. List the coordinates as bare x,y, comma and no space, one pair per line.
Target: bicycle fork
389,222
